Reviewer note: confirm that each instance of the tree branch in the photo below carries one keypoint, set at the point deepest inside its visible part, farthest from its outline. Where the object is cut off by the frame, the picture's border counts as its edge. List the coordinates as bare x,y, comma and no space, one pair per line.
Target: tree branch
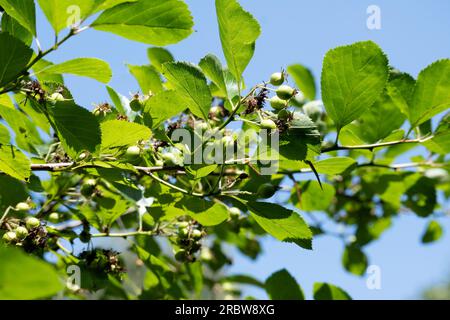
375,145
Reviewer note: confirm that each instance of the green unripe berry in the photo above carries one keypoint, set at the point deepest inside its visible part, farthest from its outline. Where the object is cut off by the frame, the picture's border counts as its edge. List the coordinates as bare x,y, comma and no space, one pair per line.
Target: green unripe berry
267,124
23,206
285,92
32,222
284,115
169,159
132,153
234,212
136,105
202,126
183,224
9,237
57,97
277,78
21,233
82,156
277,103
266,190
313,110
196,234
183,232
181,255
53,217
298,100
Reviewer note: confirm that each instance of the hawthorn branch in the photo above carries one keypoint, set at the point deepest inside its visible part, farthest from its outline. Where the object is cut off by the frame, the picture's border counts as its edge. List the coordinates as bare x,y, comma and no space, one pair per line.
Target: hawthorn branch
123,234
39,56
375,145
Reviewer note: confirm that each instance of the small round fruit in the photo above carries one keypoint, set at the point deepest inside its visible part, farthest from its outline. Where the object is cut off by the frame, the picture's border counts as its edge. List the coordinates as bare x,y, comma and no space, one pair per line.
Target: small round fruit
136,105
88,187
21,233
169,159
298,100
183,224
277,78
9,237
285,92
234,212
53,217
32,222
85,236
57,97
23,206
277,103
183,232
313,110
196,234
202,126
133,152
266,190
181,255
284,115
82,156
267,124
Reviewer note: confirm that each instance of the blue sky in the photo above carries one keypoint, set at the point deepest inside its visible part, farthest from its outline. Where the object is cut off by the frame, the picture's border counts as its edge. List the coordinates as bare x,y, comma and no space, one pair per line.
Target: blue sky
413,35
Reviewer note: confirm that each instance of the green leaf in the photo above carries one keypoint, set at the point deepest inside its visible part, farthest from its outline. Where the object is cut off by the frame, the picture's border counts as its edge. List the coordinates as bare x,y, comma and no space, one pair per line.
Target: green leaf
221,78
63,14
401,90
314,197
190,83
421,197
26,135
119,134
34,111
335,165
304,80
12,191
207,213
162,107
354,260
5,138
42,77
77,128
14,163
25,277
23,11
326,291
353,77
440,143
283,224
157,22
84,67
379,121
433,232
431,93
11,26
243,279
14,57
238,33
115,99
147,77
281,285
159,56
